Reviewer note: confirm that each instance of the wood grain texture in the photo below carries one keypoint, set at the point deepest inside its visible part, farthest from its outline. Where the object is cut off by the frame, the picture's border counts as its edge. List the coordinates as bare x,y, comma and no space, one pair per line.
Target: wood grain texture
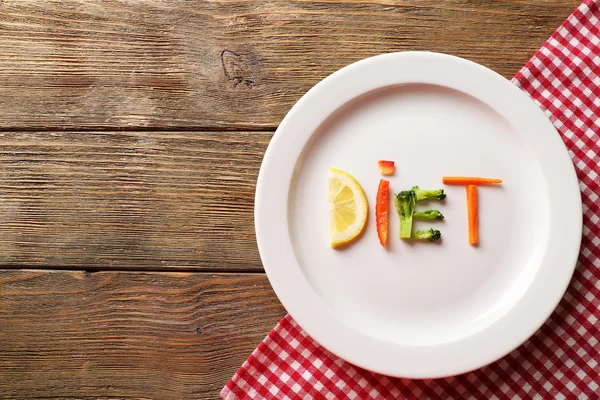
95,64
129,200
68,334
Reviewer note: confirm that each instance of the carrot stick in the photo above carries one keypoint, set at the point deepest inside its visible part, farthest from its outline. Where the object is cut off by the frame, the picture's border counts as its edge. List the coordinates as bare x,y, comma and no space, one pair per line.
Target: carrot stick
472,209
466,180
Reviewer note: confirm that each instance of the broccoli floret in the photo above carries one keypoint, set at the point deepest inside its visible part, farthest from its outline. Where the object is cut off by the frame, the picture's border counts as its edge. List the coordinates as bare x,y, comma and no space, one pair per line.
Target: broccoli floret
430,234
429,194
429,214
405,204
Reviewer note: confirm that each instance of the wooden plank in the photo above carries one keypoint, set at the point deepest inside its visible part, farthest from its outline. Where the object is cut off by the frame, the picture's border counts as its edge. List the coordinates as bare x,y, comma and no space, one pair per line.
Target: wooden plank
236,64
113,335
129,200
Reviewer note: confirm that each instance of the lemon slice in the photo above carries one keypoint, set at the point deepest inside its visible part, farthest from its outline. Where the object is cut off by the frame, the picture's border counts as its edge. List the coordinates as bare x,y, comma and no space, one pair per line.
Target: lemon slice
349,208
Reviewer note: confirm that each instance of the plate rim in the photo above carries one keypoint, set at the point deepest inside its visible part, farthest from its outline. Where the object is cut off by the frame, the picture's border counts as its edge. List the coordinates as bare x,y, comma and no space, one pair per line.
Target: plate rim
297,295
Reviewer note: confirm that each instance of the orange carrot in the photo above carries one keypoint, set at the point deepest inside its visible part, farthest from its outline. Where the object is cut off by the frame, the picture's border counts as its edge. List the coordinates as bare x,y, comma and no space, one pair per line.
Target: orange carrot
472,209
466,180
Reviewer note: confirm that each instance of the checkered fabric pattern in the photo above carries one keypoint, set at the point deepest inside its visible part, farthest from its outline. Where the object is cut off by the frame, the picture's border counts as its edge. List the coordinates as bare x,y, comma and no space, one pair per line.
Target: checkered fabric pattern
561,361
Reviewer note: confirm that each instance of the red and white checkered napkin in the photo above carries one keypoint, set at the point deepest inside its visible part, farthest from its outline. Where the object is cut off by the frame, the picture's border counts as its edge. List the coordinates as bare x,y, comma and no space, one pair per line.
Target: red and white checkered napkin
562,360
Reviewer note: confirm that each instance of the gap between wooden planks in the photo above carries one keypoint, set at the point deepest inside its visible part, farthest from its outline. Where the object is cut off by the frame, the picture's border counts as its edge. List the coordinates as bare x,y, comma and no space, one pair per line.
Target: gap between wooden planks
71,334
109,64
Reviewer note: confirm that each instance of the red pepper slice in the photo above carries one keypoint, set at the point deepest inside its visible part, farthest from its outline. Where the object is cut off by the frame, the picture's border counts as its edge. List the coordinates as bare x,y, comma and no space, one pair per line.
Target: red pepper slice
385,167
381,210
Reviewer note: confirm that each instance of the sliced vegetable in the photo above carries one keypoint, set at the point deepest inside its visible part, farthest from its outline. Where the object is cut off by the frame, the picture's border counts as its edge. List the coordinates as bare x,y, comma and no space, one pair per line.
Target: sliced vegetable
381,210
348,207
429,194
472,210
405,204
429,214
430,234
385,167
465,180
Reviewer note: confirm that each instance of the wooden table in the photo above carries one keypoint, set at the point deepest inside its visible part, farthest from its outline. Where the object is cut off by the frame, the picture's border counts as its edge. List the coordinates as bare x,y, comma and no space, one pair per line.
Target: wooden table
131,134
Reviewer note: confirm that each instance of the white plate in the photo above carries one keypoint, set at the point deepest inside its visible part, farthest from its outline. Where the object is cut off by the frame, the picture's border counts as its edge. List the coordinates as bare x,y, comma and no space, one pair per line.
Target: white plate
420,310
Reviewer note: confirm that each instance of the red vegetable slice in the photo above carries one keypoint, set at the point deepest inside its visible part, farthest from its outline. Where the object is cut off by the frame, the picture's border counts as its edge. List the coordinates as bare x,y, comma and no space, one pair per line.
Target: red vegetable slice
381,210
385,167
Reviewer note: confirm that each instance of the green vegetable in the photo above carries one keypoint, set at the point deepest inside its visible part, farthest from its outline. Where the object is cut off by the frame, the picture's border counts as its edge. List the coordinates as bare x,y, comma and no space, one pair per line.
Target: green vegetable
405,204
429,194
429,214
406,201
430,234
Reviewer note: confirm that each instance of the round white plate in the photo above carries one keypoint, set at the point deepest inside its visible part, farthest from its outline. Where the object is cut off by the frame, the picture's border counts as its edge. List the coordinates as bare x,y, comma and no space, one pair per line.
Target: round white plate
420,310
